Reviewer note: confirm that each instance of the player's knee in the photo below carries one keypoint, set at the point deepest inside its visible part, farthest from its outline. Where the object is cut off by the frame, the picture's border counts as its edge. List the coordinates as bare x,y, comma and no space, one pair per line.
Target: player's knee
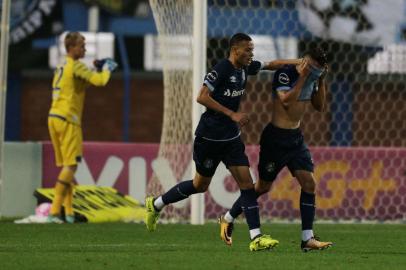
73,168
246,185
262,190
309,185
262,186
67,174
201,183
201,187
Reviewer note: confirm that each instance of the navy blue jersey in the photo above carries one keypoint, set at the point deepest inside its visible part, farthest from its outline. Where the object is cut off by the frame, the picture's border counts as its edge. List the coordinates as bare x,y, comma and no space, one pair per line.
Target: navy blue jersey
227,85
286,77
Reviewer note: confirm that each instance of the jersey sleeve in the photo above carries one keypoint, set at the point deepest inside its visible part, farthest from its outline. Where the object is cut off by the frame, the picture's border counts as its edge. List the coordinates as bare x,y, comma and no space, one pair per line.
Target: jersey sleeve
254,67
282,80
309,88
80,70
216,76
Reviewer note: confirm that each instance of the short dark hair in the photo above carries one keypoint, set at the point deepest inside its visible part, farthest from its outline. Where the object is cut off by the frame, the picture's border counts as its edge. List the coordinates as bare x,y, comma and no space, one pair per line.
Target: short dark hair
319,55
237,38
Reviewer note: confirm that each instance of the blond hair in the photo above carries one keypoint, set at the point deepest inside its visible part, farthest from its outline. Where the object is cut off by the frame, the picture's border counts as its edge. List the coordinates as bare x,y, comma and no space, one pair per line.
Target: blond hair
71,39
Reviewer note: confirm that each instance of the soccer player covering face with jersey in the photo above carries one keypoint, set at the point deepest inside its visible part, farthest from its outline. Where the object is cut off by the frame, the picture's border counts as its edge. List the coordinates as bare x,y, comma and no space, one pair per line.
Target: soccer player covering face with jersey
218,137
281,144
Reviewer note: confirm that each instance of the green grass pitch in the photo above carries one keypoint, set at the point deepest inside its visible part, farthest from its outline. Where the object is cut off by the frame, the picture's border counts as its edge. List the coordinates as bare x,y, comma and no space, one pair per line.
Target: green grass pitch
130,246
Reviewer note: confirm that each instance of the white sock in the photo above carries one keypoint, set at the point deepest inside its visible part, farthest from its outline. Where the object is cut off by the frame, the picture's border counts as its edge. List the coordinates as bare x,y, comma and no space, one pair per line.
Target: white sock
159,203
307,234
228,217
255,232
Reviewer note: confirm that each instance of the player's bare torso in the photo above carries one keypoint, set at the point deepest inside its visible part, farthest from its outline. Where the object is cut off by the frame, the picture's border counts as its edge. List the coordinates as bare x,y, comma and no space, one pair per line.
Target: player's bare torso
288,117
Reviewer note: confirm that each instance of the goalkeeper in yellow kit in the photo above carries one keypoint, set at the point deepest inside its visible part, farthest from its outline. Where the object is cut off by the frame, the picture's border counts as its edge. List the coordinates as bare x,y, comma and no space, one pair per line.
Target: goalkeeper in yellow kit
64,120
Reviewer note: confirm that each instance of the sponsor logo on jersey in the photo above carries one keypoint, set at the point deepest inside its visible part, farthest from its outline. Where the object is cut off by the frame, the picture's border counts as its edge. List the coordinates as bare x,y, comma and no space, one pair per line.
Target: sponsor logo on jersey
283,78
235,93
212,76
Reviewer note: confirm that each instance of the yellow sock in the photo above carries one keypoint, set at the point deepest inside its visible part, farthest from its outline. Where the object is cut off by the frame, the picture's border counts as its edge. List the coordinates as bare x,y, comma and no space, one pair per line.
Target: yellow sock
60,192
64,181
68,202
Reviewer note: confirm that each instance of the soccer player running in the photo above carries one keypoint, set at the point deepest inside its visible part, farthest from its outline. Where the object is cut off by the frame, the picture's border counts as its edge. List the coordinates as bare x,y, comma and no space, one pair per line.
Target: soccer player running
64,120
218,137
281,144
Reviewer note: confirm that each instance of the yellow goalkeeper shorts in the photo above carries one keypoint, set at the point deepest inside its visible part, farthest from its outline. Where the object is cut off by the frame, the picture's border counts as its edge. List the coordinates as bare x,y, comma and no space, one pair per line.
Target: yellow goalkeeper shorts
66,140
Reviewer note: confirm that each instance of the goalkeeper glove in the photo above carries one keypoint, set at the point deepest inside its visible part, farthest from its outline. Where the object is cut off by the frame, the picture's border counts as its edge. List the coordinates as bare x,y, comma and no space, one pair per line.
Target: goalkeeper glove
105,64
98,64
109,64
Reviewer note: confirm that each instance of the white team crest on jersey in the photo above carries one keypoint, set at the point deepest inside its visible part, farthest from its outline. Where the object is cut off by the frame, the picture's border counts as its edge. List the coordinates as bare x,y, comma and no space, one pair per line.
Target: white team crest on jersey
212,76
208,163
283,78
233,79
270,167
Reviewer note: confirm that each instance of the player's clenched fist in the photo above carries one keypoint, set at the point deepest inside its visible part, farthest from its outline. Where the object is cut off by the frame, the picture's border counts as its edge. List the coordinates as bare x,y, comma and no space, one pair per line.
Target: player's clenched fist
105,64
240,118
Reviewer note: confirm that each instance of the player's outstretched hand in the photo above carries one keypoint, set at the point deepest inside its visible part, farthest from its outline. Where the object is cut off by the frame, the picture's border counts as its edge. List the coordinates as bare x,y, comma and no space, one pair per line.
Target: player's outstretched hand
109,64
325,71
304,68
105,63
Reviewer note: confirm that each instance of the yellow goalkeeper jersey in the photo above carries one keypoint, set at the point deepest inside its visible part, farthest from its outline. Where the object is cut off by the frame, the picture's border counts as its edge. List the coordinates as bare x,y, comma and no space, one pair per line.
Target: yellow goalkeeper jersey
68,88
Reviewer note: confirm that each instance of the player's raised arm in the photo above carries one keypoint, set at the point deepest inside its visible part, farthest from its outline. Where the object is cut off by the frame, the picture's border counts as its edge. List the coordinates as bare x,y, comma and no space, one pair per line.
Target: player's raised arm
277,64
288,96
95,78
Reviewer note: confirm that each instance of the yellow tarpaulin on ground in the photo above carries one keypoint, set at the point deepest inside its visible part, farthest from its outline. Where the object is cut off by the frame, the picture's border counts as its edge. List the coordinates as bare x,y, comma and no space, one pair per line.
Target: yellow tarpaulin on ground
100,204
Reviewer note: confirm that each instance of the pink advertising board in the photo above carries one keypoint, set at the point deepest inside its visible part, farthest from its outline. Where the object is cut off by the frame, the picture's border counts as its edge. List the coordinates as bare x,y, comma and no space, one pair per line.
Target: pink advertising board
352,183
